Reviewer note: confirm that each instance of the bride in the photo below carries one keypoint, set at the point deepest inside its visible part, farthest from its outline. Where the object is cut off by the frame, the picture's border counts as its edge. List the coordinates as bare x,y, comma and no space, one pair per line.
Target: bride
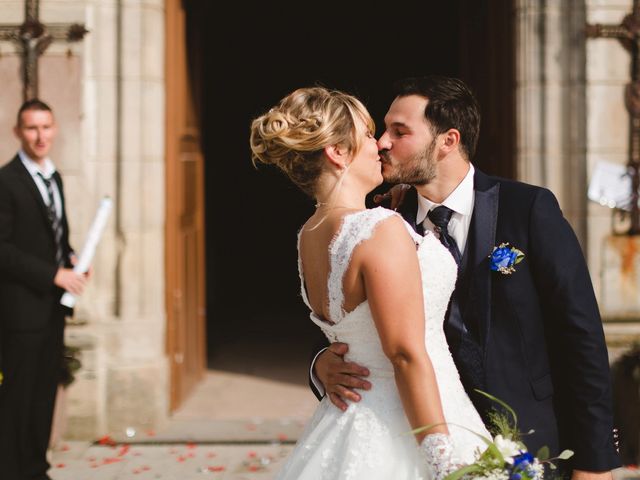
373,283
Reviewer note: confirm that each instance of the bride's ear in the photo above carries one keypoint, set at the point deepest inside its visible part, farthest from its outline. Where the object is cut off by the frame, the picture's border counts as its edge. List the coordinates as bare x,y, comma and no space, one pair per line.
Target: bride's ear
337,156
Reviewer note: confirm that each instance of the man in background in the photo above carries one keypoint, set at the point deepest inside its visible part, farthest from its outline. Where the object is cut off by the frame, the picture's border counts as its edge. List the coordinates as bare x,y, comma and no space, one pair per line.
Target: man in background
35,270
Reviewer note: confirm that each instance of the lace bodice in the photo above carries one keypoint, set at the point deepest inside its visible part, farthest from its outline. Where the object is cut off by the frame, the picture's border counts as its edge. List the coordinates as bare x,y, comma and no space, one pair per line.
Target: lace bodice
370,440
356,327
355,228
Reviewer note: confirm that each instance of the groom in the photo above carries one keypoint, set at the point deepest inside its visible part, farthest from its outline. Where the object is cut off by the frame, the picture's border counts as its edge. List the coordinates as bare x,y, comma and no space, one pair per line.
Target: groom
532,337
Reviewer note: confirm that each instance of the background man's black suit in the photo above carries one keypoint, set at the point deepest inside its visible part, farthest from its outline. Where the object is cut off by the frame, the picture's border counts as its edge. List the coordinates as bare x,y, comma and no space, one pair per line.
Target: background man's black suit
31,322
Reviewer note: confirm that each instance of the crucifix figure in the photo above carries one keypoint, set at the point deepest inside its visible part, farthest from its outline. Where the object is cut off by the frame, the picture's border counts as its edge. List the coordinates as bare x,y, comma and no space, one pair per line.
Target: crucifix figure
628,33
34,38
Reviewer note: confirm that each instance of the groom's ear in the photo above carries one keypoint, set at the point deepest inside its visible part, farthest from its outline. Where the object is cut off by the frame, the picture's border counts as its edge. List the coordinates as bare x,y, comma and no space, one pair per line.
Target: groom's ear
336,155
450,140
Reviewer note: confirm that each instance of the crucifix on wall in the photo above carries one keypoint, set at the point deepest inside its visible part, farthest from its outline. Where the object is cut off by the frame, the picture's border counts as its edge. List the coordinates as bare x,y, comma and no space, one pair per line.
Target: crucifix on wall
34,38
628,33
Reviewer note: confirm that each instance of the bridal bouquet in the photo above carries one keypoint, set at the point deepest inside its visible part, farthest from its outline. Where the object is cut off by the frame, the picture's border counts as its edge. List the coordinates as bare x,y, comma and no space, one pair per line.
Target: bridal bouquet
506,457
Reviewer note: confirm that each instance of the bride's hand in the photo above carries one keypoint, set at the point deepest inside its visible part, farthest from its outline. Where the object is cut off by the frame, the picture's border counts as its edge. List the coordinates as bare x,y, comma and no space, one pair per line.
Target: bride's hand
339,377
439,453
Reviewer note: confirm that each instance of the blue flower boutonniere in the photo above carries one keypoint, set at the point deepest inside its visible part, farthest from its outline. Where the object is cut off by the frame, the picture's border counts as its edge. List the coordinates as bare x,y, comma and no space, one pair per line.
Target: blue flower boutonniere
504,257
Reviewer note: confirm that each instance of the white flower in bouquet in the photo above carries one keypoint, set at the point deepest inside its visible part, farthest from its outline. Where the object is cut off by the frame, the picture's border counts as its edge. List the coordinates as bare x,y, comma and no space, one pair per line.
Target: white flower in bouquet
507,447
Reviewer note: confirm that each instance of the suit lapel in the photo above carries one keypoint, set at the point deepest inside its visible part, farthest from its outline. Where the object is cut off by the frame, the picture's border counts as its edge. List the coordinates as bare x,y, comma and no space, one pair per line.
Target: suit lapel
482,235
31,186
25,177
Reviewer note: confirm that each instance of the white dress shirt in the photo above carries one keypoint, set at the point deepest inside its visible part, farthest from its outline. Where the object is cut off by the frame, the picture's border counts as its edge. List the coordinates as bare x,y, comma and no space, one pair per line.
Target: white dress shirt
47,170
461,201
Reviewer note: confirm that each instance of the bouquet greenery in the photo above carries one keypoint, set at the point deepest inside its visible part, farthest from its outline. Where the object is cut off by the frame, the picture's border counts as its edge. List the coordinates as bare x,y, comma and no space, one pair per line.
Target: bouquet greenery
506,456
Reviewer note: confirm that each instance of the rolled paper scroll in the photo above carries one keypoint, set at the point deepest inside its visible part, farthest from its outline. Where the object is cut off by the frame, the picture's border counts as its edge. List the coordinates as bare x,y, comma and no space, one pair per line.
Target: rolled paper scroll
90,244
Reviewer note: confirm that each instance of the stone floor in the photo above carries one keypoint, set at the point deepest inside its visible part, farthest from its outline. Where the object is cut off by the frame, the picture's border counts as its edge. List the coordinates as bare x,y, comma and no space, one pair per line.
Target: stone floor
190,461
239,424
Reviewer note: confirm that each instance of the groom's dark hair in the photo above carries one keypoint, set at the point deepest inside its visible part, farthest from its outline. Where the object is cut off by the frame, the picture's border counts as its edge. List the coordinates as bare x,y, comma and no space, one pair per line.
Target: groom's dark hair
451,105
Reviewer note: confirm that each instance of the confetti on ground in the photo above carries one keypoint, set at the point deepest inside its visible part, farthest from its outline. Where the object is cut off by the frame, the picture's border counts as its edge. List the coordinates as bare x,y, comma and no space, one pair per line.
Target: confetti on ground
107,440
123,450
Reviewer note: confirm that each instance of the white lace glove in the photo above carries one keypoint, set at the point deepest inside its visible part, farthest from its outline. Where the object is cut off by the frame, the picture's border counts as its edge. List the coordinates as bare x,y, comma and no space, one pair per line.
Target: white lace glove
439,454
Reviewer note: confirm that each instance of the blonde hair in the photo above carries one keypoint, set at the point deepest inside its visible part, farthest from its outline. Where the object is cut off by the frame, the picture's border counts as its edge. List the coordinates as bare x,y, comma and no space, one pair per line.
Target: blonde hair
293,134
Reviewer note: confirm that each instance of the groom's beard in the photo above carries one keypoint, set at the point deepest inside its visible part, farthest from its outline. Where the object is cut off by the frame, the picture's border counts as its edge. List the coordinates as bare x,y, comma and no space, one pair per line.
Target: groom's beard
419,170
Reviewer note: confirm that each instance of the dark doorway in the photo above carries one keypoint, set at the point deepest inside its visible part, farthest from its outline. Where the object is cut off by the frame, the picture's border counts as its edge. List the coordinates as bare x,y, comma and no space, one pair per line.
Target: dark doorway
254,54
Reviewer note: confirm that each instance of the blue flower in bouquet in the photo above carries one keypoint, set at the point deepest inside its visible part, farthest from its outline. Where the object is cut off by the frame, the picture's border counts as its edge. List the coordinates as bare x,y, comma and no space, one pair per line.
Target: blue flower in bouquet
504,258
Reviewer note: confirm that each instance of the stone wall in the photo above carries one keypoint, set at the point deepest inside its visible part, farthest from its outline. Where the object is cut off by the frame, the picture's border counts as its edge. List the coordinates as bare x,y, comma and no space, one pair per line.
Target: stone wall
108,96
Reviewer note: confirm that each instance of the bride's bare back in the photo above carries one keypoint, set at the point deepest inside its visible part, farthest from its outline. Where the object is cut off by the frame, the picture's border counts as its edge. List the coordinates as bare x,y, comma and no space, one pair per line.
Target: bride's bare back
314,253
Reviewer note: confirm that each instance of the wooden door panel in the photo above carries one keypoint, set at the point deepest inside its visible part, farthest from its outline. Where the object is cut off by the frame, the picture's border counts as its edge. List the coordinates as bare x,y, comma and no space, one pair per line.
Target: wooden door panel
184,255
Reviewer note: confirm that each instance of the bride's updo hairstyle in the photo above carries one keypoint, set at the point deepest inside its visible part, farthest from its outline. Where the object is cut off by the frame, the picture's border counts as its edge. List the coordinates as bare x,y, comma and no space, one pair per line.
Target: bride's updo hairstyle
293,134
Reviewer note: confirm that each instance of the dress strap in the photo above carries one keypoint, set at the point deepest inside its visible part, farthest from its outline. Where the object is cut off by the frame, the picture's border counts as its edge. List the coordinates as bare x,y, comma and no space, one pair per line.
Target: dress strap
356,228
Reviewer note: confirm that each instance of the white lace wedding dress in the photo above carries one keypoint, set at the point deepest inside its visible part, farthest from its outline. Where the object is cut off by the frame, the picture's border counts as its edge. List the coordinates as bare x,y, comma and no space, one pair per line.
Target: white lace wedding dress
370,440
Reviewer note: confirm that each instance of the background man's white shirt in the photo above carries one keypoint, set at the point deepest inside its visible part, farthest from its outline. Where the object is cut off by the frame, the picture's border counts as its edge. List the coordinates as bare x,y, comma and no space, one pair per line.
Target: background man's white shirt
47,170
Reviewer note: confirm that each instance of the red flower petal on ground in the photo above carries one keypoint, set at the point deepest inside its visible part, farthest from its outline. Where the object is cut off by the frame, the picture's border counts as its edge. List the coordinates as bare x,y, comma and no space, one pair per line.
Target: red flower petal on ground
282,436
191,445
217,469
106,440
60,465
252,454
65,448
151,433
124,450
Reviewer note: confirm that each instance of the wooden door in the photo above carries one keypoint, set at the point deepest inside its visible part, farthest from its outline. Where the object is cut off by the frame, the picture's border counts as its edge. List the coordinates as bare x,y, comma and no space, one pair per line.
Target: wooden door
184,248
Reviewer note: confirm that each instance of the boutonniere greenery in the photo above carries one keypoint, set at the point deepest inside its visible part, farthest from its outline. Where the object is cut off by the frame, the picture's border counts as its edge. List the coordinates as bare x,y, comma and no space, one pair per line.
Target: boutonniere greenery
504,258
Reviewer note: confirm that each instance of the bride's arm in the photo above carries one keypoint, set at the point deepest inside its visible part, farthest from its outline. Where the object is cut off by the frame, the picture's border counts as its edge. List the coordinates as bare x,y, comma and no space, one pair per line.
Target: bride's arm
389,266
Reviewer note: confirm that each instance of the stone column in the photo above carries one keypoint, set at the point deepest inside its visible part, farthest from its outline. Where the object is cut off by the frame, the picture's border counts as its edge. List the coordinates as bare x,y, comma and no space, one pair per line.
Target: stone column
120,138
615,261
550,93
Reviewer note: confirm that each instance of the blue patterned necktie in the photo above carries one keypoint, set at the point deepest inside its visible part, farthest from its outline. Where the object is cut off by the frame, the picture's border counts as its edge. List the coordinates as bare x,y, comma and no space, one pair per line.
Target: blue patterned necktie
440,217
56,223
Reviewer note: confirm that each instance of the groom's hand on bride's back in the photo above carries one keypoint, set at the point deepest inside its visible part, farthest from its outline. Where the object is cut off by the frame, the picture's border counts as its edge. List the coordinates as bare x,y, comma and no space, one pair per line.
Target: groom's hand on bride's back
340,378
